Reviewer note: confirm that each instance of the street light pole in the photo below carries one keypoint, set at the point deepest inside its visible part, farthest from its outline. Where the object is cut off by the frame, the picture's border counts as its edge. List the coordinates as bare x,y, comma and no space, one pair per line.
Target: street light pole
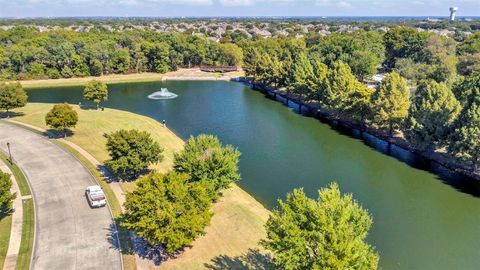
9,153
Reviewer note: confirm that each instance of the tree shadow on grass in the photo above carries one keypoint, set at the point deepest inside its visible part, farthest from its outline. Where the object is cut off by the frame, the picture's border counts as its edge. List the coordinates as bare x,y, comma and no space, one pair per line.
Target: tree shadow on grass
252,260
57,134
7,115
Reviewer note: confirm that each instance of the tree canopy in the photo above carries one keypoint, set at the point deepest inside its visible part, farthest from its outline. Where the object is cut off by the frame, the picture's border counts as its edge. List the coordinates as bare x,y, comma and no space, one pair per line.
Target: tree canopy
205,159
6,197
131,152
168,210
327,233
12,96
62,117
390,102
433,110
95,91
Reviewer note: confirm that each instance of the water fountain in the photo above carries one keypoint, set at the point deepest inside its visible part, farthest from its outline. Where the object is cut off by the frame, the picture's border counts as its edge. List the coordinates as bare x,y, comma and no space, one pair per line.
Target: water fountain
162,94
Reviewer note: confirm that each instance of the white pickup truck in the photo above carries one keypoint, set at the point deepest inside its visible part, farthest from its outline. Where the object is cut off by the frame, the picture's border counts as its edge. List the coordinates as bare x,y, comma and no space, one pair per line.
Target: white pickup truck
95,196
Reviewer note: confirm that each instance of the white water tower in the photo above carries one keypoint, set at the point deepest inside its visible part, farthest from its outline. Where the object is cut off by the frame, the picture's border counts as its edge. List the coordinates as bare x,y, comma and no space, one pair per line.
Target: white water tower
453,12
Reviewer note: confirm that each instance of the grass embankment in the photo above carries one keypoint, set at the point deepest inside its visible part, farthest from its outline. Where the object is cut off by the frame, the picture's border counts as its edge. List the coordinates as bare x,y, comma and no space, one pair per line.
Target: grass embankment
237,225
111,79
181,74
28,226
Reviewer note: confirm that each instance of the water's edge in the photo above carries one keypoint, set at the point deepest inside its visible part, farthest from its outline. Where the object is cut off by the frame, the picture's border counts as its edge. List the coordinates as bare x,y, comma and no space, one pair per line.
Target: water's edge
362,131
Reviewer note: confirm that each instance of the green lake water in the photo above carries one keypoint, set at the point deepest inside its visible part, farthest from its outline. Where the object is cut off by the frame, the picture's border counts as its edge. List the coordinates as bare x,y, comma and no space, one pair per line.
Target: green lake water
422,220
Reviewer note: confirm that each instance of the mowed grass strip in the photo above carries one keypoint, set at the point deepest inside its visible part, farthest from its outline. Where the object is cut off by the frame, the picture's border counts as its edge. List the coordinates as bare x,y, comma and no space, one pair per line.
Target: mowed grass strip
110,79
28,230
19,176
5,227
237,225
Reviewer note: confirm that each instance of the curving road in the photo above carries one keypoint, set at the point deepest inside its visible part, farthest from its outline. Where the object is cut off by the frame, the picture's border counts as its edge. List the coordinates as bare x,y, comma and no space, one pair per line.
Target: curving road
69,235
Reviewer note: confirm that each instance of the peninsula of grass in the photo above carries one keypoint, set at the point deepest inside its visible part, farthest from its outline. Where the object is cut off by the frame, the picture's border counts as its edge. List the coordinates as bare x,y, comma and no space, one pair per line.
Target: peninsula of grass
237,224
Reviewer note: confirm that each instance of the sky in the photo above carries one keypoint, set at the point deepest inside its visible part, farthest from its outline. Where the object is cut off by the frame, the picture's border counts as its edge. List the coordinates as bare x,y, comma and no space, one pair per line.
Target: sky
213,8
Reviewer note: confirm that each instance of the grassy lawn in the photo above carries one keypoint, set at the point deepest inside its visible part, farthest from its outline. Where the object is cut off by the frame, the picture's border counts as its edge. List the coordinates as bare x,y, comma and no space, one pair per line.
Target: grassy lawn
111,79
237,225
28,229
93,124
21,180
5,226
26,246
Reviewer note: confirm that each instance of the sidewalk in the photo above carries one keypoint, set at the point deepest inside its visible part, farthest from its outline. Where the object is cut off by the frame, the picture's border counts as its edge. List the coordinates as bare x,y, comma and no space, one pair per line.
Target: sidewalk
17,222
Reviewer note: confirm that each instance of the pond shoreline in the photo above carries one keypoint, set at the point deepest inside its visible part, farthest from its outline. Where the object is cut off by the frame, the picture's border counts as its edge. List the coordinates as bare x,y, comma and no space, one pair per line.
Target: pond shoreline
335,121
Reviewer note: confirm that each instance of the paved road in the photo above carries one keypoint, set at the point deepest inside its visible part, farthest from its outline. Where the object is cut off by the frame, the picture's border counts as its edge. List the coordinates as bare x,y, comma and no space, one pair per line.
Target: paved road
69,235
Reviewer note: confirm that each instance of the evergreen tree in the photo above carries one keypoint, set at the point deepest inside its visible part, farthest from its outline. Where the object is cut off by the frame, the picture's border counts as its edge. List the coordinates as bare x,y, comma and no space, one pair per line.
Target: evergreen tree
131,152
390,102
205,159
328,233
344,93
340,84
95,91
168,210
12,96
6,197
465,137
431,114
301,77
320,71
62,117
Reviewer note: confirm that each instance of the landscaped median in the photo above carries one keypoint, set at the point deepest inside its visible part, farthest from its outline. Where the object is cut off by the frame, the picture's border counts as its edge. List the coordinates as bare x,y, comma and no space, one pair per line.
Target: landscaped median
24,253
238,220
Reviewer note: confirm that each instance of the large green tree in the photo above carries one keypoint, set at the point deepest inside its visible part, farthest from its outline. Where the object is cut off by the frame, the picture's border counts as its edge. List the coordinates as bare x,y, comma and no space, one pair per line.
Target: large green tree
131,152
390,102
302,76
403,42
467,90
433,109
465,138
12,96
6,196
62,117
95,91
205,159
344,93
168,210
327,233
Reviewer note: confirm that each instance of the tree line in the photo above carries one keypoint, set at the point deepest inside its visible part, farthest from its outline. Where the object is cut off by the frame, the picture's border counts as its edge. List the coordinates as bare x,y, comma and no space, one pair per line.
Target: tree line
437,109
26,53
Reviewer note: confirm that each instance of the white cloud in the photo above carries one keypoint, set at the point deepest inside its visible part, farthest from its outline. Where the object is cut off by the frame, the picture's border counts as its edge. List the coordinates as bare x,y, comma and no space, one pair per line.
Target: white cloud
344,4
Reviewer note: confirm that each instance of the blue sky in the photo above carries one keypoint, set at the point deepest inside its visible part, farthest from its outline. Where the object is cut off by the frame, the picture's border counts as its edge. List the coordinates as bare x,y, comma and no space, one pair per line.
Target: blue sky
164,8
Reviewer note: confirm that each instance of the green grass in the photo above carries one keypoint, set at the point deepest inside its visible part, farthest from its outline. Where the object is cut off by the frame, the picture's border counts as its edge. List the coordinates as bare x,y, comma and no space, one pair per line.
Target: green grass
5,227
28,230
92,124
109,79
17,173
